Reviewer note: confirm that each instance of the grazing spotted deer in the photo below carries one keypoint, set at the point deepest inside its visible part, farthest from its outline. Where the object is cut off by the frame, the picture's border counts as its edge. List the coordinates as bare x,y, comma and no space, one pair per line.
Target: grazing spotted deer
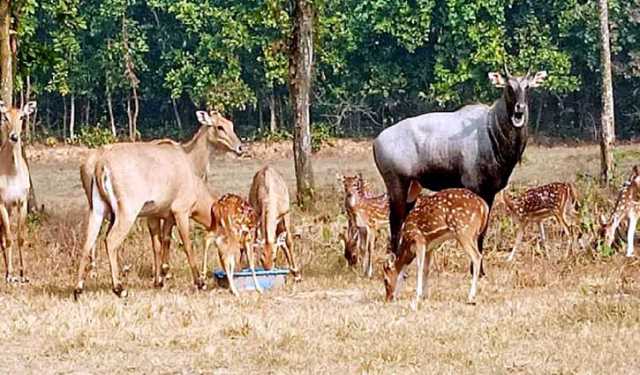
627,207
233,230
366,214
540,203
14,186
448,214
269,196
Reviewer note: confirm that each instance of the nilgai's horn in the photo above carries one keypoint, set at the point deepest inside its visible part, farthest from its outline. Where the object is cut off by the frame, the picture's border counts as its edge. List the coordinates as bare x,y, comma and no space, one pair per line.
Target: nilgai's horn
506,69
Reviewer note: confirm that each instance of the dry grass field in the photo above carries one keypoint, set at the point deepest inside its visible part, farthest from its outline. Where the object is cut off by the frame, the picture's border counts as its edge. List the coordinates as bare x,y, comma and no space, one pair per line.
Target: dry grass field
537,315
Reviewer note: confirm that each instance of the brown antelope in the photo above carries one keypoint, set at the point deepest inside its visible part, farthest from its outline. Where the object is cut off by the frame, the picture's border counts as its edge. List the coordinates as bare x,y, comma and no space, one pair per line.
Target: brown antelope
153,180
448,214
14,186
627,206
269,196
540,203
215,130
233,230
367,214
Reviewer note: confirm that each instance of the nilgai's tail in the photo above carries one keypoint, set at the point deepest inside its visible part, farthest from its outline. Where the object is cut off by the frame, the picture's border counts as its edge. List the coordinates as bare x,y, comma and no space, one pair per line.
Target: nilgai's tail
105,186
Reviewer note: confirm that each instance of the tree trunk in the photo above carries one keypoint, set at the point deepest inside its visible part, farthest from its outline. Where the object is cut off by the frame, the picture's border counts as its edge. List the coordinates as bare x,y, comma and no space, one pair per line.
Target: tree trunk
64,118
6,58
136,111
72,118
130,119
27,120
87,112
273,124
260,120
111,118
300,67
607,132
176,113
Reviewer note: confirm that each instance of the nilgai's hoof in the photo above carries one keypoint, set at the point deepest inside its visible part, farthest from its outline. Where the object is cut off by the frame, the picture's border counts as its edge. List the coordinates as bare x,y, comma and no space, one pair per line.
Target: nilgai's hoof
158,284
76,293
120,291
201,285
471,303
12,279
24,280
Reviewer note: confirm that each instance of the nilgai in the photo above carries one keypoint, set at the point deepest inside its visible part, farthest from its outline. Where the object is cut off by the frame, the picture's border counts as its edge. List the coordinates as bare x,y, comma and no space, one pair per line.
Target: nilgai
269,196
448,214
14,186
233,230
537,204
367,214
476,148
215,130
627,207
153,180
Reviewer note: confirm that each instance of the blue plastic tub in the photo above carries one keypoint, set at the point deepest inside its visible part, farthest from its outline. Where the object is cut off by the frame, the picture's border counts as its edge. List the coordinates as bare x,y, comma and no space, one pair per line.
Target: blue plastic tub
273,278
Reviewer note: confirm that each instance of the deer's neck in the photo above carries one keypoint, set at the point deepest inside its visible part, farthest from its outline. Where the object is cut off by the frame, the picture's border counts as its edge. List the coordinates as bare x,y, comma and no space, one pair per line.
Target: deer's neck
197,148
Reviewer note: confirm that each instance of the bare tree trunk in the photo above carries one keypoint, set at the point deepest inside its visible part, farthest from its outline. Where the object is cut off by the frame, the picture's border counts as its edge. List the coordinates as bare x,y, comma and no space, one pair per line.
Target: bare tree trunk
28,119
87,112
273,124
6,58
72,118
64,118
260,120
111,118
300,67
176,113
607,133
130,118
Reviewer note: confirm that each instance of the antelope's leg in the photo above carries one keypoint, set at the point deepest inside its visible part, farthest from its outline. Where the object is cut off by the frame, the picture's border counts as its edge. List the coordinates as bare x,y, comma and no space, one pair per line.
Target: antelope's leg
248,249
94,222
471,247
427,269
8,256
288,248
421,251
372,245
154,231
229,265
182,222
117,233
208,240
22,220
633,221
543,239
566,228
167,226
519,234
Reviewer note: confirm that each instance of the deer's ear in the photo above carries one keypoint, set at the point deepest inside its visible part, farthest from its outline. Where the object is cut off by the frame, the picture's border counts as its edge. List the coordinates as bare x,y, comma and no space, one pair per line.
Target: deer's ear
29,108
204,118
3,107
339,177
636,170
603,219
497,79
538,79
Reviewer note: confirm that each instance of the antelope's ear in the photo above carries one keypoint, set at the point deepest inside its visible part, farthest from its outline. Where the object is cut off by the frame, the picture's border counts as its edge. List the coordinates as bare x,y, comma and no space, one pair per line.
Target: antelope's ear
29,108
3,108
497,79
538,79
636,170
204,118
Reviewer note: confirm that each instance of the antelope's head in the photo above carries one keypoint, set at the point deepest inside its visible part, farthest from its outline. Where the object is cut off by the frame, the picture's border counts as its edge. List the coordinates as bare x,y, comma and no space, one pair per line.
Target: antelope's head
12,119
220,131
515,93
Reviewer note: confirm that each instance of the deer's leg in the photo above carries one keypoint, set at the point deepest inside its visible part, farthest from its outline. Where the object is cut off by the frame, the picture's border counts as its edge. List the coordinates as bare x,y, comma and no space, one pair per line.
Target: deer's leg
229,265
566,228
288,248
95,218
633,221
421,251
248,249
154,231
117,233
167,227
427,268
22,220
470,246
208,240
519,234
543,239
371,243
182,222
8,256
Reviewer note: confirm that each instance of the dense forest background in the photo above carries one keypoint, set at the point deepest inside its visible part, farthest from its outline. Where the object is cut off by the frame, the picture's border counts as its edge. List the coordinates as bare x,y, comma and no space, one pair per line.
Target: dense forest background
132,64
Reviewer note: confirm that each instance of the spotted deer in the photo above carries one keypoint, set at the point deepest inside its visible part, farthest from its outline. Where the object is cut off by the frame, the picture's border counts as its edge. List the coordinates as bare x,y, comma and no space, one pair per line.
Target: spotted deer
448,214
366,214
233,230
537,204
14,186
269,196
627,207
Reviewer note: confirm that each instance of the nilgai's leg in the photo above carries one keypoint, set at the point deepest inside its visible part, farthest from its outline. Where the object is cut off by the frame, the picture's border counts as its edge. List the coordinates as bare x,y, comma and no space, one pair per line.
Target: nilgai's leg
167,226
519,234
398,208
288,247
182,222
121,226
633,221
269,227
22,220
471,248
8,256
94,222
208,240
154,231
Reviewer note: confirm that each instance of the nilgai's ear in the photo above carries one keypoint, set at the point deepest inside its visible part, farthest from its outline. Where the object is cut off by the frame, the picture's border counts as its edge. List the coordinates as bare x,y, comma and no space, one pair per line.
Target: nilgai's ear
538,79
29,108
497,79
3,108
204,118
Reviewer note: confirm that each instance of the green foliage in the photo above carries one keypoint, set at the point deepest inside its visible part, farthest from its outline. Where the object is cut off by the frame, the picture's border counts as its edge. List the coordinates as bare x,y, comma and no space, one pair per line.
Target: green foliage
94,136
321,134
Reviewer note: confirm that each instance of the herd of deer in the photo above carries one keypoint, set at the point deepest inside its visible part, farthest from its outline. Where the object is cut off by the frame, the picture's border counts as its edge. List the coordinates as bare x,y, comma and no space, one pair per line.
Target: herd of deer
164,181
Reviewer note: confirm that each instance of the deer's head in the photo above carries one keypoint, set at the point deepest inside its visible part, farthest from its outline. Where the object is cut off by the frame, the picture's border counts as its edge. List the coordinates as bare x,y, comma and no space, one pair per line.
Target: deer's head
390,273
515,92
12,119
220,131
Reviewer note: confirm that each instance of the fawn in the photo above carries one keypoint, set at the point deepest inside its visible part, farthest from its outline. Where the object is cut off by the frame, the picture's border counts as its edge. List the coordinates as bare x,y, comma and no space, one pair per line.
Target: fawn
627,206
233,230
448,214
540,203
366,214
